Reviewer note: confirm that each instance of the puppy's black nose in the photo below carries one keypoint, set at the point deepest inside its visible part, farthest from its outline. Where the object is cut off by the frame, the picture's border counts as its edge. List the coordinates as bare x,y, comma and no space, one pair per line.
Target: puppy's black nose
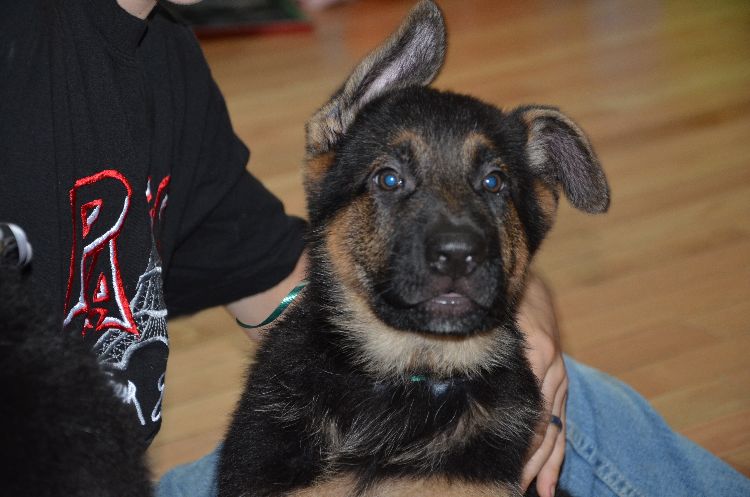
455,252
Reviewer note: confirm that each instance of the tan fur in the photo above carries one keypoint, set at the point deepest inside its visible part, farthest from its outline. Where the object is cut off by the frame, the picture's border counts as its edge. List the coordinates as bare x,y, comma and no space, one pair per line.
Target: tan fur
389,352
338,487
515,251
315,168
414,139
472,143
475,421
354,240
386,351
401,487
423,454
383,350
547,199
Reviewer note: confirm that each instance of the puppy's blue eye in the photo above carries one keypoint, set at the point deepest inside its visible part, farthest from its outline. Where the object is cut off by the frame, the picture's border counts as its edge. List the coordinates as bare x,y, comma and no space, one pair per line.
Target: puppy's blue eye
492,183
388,179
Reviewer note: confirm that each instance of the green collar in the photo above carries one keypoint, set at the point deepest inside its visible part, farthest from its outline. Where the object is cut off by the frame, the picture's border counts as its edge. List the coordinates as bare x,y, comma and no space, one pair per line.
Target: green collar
285,302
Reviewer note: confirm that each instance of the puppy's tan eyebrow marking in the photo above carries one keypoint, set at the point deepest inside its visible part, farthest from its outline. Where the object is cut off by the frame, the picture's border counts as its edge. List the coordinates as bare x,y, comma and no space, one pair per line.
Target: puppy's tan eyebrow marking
473,144
413,140
409,137
316,167
476,143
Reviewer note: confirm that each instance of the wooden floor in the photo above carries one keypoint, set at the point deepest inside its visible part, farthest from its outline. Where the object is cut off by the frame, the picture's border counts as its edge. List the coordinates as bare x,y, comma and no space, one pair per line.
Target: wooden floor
657,292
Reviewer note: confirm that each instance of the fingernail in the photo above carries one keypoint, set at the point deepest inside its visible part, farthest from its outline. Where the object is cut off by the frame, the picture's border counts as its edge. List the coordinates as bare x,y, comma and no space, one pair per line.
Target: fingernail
552,490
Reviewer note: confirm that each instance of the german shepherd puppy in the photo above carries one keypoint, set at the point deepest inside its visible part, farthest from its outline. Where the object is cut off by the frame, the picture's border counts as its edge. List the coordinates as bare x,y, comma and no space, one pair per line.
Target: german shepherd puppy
400,370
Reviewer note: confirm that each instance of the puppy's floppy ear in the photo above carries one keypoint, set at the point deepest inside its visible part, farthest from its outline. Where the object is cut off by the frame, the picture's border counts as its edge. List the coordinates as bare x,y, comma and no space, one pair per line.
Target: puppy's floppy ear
411,56
560,153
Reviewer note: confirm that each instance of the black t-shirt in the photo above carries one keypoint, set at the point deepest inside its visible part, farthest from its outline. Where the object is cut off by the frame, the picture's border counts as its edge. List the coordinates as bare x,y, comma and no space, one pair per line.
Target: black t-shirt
118,158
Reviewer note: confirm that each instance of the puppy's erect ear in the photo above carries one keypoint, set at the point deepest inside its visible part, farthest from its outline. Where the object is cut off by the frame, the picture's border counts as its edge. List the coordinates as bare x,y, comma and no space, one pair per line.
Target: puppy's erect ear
559,152
411,56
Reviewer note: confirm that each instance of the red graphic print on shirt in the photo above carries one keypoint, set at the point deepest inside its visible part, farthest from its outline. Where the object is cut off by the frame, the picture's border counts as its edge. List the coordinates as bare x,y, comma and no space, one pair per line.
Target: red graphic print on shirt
99,205
130,320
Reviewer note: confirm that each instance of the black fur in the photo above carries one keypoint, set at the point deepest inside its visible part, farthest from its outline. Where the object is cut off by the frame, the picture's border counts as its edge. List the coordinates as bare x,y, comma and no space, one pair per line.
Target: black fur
303,373
62,431
322,401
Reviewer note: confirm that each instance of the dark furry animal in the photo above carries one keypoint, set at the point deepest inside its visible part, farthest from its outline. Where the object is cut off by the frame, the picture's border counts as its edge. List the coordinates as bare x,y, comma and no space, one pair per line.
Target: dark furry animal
62,431
400,370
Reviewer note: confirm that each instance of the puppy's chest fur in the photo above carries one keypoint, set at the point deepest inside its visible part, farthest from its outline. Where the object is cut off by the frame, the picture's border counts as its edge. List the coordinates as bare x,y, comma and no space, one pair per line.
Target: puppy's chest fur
429,487
415,424
374,437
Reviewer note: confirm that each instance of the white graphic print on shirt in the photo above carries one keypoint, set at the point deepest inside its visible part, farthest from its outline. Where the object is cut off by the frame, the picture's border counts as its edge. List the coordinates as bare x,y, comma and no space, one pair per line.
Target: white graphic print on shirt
96,295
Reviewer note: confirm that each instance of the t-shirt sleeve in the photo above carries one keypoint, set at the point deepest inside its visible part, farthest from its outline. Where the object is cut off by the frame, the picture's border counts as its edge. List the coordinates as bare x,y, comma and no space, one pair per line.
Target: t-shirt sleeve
234,238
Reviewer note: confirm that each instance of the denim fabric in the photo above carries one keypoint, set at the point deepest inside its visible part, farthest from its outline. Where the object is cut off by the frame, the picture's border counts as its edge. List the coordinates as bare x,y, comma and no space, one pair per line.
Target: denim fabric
618,446
195,479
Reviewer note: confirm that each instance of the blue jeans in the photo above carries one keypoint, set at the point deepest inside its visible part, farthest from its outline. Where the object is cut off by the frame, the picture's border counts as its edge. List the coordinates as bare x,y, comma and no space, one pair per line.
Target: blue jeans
618,446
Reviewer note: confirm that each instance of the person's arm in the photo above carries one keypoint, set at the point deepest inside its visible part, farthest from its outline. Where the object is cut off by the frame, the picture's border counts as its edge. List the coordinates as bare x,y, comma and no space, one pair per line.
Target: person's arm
538,321
255,308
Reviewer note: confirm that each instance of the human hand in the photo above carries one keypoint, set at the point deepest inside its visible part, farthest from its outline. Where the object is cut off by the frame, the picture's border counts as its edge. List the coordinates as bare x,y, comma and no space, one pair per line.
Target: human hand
538,322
